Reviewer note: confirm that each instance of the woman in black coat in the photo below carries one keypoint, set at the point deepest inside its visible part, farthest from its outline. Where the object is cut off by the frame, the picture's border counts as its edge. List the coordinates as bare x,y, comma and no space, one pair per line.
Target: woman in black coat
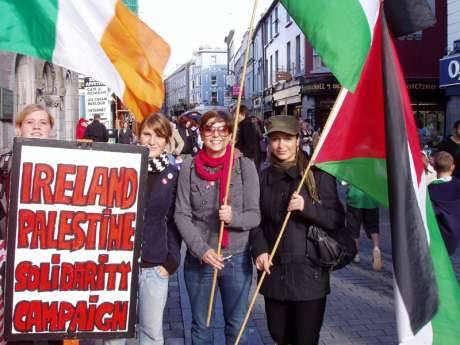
295,288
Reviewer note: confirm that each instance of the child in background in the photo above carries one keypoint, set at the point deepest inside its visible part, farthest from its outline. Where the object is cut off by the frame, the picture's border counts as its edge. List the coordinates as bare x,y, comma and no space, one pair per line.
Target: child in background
445,197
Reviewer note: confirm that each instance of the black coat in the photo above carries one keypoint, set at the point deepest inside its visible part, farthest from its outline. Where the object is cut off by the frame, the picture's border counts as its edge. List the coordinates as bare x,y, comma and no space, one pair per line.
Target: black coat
161,240
249,140
97,132
294,277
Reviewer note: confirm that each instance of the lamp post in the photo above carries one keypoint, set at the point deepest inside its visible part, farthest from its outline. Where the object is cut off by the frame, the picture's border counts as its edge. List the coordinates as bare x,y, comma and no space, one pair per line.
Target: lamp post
229,42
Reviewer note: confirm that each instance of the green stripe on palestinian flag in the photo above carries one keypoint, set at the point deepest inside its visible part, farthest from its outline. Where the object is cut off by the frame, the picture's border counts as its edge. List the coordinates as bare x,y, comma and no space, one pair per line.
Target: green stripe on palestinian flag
101,39
340,31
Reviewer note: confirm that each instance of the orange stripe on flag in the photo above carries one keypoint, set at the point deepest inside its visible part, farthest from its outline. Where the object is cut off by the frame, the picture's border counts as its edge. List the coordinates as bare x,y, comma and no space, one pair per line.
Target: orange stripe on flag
140,56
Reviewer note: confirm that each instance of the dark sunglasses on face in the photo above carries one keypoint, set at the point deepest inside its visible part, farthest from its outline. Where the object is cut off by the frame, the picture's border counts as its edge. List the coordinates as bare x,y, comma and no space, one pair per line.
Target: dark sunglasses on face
220,130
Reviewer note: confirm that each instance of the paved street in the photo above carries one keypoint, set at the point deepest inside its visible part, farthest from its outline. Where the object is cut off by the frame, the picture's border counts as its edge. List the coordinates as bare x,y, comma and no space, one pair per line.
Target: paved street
360,309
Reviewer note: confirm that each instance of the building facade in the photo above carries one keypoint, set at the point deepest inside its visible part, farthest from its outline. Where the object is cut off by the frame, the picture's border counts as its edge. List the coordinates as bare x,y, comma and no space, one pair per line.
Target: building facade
449,66
199,84
29,80
177,91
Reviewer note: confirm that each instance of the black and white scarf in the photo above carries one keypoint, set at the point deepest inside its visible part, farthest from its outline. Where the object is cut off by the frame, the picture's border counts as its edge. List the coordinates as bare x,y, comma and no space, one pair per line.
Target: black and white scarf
158,164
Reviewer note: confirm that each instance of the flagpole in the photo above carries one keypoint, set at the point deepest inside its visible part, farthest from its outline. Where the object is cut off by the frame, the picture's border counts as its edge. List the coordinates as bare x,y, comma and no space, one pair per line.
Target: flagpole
324,132
230,167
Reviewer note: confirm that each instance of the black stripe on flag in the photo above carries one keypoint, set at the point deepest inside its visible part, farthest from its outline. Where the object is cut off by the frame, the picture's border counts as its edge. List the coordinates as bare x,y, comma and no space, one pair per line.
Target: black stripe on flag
413,267
408,16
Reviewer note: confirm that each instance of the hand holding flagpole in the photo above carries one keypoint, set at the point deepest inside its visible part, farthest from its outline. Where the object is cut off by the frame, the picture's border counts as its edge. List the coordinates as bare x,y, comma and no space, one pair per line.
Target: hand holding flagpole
232,152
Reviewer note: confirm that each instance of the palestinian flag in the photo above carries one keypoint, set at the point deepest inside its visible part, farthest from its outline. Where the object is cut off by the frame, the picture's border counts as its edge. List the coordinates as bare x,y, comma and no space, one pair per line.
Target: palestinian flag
100,39
371,141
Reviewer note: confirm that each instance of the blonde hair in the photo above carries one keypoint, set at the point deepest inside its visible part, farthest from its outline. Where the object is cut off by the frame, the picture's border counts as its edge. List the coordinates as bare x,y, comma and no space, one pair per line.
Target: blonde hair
29,109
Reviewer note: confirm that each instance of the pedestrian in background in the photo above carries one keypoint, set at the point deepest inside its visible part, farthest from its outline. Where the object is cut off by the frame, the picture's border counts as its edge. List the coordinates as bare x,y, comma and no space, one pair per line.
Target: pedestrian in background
295,288
445,196
125,134
306,138
175,146
96,131
81,128
184,125
452,146
363,210
248,139
160,247
199,211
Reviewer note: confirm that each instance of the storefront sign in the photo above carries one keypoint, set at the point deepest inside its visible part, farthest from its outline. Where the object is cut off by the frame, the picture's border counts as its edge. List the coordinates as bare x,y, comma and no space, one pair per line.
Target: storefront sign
73,241
97,99
320,88
449,71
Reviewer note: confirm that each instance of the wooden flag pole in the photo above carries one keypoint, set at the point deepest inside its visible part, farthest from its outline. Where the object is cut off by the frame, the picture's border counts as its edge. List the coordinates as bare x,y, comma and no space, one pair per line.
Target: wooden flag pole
331,118
230,168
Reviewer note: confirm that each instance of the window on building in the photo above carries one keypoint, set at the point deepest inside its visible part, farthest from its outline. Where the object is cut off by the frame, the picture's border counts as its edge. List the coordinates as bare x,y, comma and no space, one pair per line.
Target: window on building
276,61
266,73
265,33
213,59
213,80
271,27
276,20
288,18
317,62
297,54
288,56
271,69
214,98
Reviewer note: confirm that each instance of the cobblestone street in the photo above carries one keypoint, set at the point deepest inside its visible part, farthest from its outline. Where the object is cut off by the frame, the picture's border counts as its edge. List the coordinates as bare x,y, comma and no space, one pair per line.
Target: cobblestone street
360,309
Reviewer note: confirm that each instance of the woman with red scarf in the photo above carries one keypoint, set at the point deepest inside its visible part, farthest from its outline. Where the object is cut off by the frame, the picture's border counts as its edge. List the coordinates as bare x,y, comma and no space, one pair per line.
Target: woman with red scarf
199,211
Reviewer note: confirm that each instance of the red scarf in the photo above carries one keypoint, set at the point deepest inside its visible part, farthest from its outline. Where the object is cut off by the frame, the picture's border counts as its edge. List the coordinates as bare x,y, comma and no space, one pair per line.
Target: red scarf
202,161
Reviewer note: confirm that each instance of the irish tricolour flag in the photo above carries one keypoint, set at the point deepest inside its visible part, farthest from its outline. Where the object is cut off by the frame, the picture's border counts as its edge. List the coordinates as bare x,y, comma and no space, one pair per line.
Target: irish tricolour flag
371,141
98,38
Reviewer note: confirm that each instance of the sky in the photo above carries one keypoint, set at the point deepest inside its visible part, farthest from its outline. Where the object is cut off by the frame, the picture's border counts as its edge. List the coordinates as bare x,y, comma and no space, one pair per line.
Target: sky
188,24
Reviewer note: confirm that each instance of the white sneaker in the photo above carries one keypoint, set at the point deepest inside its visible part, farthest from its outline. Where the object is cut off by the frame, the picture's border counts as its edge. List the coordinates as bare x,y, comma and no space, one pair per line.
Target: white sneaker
377,259
357,259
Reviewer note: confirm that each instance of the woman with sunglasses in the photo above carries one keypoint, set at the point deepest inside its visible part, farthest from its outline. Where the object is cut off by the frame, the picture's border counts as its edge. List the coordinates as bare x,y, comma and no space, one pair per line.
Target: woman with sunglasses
199,211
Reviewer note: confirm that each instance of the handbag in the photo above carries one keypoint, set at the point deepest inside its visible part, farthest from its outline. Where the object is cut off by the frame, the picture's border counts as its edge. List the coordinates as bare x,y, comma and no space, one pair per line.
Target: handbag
334,249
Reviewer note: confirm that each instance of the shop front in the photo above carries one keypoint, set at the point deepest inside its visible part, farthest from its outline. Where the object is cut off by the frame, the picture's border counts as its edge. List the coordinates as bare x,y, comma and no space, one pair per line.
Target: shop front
288,101
449,81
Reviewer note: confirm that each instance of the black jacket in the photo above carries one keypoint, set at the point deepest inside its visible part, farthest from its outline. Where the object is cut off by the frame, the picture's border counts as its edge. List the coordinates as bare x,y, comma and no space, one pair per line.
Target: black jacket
249,140
161,240
294,277
97,132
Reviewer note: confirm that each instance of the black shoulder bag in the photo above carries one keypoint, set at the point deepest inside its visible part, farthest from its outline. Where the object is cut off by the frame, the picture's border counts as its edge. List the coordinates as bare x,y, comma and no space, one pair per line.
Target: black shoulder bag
334,249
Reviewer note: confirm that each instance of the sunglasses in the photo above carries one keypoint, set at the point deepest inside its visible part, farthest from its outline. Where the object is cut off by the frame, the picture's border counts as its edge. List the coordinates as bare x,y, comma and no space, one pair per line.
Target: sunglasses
220,130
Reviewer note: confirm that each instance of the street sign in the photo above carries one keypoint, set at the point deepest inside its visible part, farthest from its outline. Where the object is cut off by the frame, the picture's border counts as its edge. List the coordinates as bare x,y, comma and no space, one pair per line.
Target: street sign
449,71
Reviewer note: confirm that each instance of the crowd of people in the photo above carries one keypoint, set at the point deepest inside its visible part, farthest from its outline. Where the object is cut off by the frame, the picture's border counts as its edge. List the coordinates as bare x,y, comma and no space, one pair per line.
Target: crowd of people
187,204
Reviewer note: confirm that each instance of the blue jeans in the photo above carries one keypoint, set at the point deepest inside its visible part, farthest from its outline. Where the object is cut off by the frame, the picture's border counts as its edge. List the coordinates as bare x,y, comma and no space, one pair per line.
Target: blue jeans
234,282
153,293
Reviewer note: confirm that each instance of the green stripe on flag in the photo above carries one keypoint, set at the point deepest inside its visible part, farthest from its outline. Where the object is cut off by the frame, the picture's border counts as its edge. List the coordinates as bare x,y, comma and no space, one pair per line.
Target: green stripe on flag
339,31
29,27
367,174
444,331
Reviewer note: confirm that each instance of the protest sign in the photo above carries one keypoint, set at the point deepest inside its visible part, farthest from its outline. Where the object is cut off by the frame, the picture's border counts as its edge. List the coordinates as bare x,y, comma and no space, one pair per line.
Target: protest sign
73,239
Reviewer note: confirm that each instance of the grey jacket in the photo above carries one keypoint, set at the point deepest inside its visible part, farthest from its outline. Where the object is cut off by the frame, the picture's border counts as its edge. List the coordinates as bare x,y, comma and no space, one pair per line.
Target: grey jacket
197,205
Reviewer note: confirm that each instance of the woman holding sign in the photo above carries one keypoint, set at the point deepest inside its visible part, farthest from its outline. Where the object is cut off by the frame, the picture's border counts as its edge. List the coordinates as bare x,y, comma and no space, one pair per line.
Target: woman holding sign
295,288
160,248
34,121
199,211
